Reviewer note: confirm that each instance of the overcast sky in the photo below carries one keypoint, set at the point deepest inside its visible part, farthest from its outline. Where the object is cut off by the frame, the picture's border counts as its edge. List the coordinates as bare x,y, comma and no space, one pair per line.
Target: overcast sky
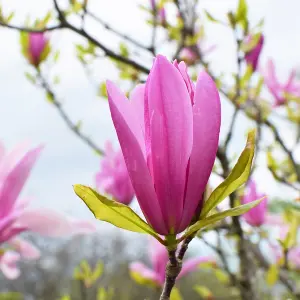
26,115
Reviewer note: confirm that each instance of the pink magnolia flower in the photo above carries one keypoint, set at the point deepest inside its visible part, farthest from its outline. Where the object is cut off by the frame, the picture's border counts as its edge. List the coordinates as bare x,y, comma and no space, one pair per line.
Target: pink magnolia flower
152,4
9,258
16,216
293,256
162,16
280,90
252,56
37,43
169,134
113,178
257,215
188,55
159,259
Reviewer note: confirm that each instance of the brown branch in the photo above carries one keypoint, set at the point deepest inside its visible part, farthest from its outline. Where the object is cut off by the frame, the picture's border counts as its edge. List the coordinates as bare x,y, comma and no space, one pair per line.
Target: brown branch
283,276
28,29
173,269
117,33
289,153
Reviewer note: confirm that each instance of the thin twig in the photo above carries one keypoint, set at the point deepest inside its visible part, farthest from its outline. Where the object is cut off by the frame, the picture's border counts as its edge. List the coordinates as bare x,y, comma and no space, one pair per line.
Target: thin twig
116,32
74,128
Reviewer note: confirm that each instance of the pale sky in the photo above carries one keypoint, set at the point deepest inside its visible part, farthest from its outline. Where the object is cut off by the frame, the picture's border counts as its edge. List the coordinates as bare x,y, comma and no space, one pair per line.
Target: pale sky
26,115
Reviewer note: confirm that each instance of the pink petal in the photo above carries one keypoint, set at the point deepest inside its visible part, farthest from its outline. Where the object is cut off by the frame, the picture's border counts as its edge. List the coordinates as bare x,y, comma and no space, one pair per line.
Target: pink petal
137,100
206,129
145,272
192,264
25,248
8,264
159,258
255,216
132,144
274,220
50,223
15,181
170,114
8,162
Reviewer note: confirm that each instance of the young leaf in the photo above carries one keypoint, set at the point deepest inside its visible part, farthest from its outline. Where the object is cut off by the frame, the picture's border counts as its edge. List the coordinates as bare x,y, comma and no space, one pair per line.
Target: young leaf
232,212
113,212
139,279
236,178
242,10
210,17
272,275
203,291
175,294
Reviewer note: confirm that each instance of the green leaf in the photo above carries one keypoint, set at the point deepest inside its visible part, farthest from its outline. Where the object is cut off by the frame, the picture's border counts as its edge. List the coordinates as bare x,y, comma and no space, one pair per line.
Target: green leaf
45,52
203,291
97,272
124,50
272,275
232,212
139,279
175,294
30,77
24,41
49,97
102,90
10,17
247,46
242,11
236,178
246,77
56,56
292,218
11,296
210,17
113,212
222,276
66,297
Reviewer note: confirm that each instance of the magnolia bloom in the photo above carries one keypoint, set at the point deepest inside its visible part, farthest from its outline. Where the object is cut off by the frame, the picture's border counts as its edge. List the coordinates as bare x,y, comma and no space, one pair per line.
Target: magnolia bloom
113,178
37,43
188,55
9,258
293,256
169,134
257,215
152,4
159,259
162,16
16,216
252,56
280,91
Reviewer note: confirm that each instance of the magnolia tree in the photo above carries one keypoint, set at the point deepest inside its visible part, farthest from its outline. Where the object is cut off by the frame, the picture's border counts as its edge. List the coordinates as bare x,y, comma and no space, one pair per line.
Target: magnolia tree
170,147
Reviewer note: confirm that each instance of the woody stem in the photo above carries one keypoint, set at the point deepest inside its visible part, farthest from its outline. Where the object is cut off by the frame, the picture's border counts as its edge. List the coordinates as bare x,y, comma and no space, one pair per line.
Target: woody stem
173,269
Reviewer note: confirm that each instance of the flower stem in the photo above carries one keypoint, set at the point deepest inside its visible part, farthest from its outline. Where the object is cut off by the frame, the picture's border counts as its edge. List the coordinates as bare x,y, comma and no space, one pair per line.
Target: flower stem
173,269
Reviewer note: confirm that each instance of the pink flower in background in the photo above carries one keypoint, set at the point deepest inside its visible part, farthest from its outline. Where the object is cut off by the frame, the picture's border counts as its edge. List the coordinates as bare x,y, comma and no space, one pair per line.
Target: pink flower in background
152,4
257,215
252,56
9,258
37,43
162,16
280,90
16,216
294,257
188,55
169,134
113,178
159,259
